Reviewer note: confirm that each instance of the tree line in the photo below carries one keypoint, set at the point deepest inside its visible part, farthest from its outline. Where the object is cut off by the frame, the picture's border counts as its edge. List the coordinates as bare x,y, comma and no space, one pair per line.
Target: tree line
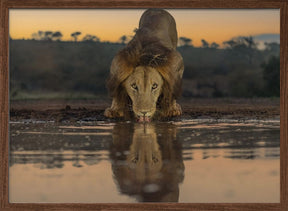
236,42
57,36
238,70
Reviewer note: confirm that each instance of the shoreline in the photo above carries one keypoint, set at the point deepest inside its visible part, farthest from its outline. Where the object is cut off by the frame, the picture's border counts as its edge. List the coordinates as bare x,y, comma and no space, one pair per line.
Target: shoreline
75,110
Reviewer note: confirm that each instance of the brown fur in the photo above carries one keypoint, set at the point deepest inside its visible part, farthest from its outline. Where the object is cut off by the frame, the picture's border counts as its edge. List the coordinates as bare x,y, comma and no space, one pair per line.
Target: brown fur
163,163
147,50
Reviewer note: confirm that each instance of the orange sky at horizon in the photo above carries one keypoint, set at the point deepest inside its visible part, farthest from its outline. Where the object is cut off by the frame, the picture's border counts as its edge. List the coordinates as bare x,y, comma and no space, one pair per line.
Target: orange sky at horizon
213,25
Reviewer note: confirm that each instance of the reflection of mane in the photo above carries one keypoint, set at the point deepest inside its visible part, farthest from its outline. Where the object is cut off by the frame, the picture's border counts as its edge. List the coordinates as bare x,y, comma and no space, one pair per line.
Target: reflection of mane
147,166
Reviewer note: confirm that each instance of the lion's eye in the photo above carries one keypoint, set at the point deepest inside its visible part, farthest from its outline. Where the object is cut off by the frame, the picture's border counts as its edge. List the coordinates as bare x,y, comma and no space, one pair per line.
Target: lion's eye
134,86
154,86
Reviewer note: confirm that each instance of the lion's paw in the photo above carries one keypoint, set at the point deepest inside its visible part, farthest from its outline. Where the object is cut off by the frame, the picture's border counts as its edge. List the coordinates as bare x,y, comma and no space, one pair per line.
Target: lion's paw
175,110
111,113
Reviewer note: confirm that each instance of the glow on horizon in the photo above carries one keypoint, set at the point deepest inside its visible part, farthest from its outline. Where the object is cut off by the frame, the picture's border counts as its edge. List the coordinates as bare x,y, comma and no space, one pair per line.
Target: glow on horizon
213,25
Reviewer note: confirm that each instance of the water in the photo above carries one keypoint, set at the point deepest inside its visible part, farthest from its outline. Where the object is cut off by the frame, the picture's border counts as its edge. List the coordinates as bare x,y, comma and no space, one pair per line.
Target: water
186,161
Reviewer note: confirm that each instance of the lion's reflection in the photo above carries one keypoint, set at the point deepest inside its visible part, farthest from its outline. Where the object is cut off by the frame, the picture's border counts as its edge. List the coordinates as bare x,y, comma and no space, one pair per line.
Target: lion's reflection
147,161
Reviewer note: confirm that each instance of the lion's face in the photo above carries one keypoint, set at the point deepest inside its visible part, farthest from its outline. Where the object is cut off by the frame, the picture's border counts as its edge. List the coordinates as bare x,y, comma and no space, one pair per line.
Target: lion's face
144,87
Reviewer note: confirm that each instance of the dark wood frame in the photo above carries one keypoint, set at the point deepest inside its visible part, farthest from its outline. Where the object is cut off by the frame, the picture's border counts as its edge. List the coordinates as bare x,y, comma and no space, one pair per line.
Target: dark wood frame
5,5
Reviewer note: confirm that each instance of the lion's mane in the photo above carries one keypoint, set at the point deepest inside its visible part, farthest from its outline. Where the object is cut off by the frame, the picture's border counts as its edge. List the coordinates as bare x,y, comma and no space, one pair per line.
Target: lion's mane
143,51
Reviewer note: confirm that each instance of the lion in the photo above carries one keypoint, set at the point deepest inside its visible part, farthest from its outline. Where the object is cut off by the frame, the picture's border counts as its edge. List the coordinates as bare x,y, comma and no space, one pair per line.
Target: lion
145,76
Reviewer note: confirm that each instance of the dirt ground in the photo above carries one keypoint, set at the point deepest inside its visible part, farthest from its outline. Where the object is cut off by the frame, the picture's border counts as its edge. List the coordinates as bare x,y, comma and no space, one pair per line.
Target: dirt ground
74,110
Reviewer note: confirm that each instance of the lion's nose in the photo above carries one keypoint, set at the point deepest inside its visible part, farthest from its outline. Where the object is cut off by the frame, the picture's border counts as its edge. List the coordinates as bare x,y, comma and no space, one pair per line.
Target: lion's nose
144,112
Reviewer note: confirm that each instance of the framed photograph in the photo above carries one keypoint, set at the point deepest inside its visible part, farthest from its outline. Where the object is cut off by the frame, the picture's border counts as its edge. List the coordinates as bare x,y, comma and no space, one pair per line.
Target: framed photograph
138,105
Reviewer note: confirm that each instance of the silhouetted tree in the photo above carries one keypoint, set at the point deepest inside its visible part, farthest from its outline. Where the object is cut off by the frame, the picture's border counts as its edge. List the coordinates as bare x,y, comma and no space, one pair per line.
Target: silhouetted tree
230,44
244,45
57,35
241,42
214,45
38,35
48,35
123,39
249,42
41,34
90,38
251,45
75,35
184,41
205,44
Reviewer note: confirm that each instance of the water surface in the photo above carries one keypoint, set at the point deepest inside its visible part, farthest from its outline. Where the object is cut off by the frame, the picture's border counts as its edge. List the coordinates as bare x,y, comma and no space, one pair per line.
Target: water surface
186,161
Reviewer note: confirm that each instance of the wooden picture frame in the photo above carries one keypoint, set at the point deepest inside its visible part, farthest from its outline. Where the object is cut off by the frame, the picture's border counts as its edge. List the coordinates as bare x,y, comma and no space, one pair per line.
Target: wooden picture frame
5,5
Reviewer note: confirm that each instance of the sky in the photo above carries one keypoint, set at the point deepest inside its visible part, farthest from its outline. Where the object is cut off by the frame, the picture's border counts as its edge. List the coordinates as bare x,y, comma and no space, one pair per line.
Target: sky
213,25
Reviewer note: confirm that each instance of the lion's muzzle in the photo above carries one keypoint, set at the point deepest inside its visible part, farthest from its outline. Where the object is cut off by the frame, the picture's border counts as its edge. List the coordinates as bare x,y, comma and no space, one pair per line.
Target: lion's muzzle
144,115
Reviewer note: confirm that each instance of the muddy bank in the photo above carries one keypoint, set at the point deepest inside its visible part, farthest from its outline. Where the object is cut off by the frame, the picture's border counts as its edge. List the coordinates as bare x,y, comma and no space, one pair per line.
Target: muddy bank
75,110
